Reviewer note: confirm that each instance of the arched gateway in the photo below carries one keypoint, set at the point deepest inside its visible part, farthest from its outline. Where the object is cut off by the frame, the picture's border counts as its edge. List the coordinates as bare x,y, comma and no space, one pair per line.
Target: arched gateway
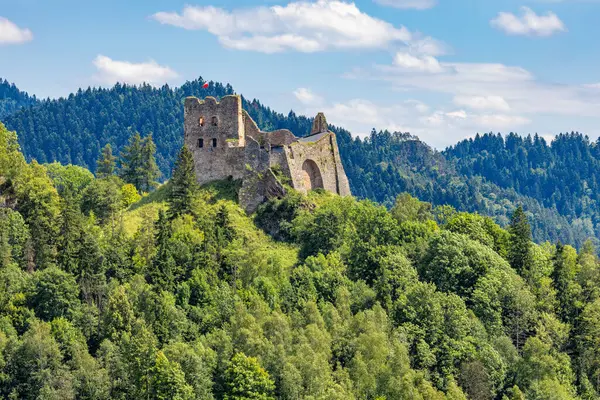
312,175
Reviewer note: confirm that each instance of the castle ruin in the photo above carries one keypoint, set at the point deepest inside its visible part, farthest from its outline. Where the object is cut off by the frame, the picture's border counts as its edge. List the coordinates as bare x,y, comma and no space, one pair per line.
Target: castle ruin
227,144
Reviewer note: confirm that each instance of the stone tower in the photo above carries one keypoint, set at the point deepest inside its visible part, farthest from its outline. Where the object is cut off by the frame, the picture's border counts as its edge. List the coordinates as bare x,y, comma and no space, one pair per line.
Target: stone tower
227,144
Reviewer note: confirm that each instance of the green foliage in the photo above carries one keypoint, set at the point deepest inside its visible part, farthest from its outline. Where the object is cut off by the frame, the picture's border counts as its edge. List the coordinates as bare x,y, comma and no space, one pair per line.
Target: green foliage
138,165
347,300
69,178
106,164
104,198
168,380
54,293
39,203
246,379
455,263
184,185
12,99
130,195
408,208
519,253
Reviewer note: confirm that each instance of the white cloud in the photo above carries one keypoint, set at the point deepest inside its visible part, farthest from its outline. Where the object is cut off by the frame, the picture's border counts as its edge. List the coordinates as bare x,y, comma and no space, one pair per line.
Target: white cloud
307,96
10,33
407,4
111,71
300,26
529,23
496,103
489,97
440,127
423,63
514,89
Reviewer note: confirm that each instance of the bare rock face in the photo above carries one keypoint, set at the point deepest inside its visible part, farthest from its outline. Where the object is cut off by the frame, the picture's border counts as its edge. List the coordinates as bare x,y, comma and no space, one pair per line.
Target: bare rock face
226,143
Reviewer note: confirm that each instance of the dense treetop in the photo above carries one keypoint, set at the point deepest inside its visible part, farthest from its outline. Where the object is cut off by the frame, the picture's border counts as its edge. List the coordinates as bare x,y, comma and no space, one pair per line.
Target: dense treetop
12,99
181,295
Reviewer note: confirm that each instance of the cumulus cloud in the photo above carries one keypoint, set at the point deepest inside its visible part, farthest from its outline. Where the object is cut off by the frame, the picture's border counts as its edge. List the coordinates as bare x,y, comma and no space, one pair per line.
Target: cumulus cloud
485,97
10,33
439,127
408,4
307,96
514,88
482,102
423,63
529,23
111,71
298,26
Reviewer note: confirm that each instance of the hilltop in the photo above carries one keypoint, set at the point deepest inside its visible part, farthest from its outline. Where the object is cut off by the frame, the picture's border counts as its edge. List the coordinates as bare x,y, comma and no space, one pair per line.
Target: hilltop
379,167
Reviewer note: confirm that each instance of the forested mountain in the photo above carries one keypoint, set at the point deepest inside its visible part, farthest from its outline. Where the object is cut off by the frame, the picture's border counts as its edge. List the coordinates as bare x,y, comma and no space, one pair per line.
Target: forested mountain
180,295
75,129
12,99
564,174
385,164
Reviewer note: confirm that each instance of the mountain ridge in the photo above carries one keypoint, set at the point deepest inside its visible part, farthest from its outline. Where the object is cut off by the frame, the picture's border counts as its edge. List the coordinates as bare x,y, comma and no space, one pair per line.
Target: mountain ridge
75,128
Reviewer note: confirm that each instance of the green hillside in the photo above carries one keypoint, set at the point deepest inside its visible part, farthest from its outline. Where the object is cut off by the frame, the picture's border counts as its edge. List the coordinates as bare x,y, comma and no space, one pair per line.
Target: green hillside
180,295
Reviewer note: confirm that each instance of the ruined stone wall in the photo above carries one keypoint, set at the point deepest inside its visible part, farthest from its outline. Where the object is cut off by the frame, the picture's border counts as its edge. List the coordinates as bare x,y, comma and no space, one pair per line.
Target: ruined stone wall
259,182
214,133
226,142
323,152
280,137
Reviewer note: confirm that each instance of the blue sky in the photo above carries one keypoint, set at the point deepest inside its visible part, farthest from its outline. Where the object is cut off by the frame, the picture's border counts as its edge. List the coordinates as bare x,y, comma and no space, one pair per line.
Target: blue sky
441,69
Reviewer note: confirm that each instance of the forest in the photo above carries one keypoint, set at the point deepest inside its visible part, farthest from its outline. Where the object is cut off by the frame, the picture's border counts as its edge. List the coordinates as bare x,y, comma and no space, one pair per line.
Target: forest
115,286
555,183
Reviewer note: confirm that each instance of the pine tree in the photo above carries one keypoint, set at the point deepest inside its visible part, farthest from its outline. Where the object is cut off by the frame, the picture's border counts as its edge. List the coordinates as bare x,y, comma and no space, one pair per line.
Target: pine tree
70,232
183,184
149,171
131,162
163,273
519,251
106,163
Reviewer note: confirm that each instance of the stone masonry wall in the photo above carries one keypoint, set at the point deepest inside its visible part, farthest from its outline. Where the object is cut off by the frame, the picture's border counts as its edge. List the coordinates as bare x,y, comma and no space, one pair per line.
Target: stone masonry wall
222,121
324,153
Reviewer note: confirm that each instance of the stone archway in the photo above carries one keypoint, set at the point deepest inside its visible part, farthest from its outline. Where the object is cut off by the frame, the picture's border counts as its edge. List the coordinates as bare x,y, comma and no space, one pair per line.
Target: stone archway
311,175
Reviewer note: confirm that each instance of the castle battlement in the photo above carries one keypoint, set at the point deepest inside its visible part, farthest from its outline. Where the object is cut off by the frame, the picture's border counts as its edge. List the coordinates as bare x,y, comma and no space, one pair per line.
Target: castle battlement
227,144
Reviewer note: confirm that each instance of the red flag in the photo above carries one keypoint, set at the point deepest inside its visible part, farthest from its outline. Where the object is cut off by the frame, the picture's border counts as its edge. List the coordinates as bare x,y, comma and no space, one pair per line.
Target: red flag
205,86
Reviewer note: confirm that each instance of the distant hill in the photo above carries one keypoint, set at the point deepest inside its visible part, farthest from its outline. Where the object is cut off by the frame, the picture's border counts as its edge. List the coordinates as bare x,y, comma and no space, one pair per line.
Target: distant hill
12,99
379,167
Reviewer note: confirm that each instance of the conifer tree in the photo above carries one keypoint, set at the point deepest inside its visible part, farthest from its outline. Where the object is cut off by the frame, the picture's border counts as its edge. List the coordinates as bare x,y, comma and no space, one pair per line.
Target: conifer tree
164,272
138,164
183,184
131,161
70,230
106,162
149,172
519,252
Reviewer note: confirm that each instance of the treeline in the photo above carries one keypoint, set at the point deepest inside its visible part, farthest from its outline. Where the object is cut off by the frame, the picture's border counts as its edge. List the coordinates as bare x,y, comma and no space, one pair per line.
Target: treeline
74,130
12,99
564,174
384,164
180,295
